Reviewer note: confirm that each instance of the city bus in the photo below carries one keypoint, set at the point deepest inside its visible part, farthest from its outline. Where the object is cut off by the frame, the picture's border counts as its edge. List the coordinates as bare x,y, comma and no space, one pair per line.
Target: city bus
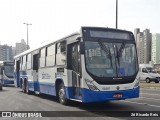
93,65
7,72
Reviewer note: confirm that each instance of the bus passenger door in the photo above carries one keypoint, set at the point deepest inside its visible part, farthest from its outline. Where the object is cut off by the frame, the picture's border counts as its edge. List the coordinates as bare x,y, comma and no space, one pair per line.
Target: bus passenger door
35,71
75,65
1,76
17,74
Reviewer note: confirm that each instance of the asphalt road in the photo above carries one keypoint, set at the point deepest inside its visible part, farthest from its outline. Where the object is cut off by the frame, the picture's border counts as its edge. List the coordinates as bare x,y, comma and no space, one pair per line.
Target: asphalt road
13,99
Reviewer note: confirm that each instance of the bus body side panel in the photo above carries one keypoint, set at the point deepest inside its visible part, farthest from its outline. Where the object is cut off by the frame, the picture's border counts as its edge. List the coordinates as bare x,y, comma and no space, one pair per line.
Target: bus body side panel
32,80
46,80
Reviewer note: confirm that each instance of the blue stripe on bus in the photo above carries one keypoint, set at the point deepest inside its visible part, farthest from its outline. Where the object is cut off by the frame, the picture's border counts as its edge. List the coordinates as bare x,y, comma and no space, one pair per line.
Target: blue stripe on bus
99,96
33,85
87,95
42,87
47,88
6,81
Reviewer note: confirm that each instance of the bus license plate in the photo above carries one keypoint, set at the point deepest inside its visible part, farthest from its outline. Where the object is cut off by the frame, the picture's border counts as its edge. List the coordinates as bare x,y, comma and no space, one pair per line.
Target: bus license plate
117,95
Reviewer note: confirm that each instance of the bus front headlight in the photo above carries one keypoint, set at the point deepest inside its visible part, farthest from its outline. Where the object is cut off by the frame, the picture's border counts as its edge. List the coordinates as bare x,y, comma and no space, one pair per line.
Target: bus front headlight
137,83
91,86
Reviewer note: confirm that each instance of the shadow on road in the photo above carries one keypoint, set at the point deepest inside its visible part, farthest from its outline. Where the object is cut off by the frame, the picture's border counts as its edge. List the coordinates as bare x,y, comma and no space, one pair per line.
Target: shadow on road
9,85
98,109
3,90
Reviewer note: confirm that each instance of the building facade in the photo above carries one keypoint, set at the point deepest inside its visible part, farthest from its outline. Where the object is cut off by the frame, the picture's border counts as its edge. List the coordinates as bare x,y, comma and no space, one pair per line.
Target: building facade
21,47
143,42
6,53
155,48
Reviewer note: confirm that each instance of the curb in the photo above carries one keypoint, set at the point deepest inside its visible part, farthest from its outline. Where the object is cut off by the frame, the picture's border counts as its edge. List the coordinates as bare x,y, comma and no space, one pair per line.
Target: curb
150,87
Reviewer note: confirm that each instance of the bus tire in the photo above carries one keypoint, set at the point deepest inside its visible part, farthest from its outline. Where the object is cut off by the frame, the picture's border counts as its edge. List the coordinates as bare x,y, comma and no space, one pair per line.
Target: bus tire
27,89
24,86
61,95
148,80
20,83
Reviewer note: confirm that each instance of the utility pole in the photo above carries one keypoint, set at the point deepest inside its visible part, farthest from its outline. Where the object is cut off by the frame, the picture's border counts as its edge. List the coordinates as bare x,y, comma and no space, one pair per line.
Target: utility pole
27,34
116,14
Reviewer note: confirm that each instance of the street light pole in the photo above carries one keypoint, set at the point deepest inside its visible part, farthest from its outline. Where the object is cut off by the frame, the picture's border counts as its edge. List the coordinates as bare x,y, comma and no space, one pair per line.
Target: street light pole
27,34
116,14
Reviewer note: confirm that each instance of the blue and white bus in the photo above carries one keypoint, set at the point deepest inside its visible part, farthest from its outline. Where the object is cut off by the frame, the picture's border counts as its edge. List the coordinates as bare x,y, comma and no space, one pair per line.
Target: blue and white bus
7,72
93,65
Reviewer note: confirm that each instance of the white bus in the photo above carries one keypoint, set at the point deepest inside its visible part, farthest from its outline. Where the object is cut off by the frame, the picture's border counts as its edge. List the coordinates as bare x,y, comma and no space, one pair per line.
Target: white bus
93,65
7,72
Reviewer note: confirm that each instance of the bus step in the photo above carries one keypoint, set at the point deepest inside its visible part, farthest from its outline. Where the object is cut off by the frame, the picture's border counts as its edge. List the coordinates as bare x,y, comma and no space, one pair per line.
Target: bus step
76,100
36,92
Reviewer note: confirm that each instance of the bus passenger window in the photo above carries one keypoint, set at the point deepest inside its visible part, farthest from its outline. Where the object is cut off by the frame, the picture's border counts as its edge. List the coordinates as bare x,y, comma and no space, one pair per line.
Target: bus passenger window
50,58
42,57
61,53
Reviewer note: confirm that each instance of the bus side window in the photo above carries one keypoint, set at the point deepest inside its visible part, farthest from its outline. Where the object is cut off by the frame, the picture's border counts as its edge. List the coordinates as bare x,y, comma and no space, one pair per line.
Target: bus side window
29,60
61,53
43,57
50,58
24,62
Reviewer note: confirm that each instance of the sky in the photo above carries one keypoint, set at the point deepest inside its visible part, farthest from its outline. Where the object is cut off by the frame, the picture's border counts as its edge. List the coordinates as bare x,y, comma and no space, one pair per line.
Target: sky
54,19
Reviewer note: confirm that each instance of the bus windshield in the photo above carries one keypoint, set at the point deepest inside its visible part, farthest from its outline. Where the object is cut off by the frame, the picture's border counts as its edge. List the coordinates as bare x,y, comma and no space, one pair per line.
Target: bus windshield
8,70
106,59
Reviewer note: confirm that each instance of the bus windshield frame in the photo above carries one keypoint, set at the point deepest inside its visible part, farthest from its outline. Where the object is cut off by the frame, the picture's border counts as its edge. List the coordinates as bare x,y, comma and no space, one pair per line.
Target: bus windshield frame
9,69
115,53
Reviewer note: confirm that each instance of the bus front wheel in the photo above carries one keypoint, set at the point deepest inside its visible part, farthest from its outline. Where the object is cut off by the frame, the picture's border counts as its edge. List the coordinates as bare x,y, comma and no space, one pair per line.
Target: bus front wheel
61,95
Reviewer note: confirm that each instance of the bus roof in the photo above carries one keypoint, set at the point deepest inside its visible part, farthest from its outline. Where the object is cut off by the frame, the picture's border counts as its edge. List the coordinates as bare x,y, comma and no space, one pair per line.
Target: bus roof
41,46
77,33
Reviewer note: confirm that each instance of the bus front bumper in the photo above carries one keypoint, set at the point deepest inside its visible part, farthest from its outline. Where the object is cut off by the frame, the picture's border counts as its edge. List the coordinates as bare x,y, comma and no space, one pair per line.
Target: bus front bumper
102,96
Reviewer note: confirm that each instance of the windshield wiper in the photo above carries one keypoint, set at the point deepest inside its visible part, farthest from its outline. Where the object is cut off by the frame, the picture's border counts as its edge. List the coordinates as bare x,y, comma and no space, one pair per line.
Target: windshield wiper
106,50
120,51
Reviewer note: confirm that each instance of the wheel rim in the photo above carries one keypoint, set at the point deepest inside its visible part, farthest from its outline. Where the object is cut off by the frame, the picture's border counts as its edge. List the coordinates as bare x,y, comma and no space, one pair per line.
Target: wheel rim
61,95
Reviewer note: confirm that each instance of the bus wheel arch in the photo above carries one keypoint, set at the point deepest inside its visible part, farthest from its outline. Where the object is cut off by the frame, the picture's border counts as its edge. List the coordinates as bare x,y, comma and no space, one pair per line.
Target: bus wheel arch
57,84
60,92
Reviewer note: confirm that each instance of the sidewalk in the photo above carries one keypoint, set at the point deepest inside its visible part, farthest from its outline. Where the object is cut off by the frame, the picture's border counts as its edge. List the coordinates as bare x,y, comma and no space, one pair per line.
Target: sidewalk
151,85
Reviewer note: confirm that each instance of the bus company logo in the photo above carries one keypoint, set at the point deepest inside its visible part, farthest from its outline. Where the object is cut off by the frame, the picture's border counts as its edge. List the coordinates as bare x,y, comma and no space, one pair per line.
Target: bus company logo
117,87
6,114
